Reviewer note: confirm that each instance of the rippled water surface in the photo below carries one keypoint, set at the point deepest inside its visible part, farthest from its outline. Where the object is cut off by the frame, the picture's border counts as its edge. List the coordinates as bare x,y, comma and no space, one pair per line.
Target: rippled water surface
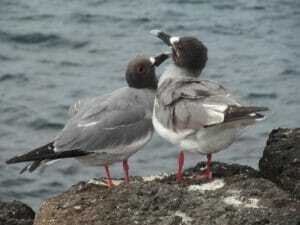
55,52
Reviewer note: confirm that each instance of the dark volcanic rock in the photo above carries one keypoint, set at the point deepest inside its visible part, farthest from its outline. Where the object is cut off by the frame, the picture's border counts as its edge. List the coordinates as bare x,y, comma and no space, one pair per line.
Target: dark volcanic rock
236,196
281,160
15,213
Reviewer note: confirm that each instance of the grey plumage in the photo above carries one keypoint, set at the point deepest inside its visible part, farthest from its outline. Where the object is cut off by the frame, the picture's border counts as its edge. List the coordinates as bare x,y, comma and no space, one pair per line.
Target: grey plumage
187,109
109,128
198,115
118,119
102,126
184,103
78,105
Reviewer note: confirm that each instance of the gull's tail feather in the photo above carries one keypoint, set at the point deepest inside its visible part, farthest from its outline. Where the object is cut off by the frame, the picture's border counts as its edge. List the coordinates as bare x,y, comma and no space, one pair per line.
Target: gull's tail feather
43,164
31,166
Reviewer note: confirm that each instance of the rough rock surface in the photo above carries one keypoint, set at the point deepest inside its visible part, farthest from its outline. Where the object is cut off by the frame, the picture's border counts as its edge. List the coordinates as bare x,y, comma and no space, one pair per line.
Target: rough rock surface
15,213
281,160
237,195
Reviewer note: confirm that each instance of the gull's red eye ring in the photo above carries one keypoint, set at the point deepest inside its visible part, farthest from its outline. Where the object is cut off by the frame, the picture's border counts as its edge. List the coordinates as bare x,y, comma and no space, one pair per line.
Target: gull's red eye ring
141,69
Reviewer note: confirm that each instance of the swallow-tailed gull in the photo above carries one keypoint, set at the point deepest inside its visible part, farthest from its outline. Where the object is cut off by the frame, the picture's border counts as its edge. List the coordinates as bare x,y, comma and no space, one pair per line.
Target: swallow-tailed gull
108,128
198,115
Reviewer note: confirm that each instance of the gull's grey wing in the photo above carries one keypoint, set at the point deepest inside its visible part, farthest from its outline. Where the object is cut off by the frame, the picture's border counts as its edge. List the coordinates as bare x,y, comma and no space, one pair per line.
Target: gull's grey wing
121,119
82,103
173,90
74,109
192,104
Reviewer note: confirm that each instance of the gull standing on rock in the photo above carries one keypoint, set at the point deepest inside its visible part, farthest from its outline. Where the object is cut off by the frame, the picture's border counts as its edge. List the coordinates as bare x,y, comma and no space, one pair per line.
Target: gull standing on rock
198,115
109,128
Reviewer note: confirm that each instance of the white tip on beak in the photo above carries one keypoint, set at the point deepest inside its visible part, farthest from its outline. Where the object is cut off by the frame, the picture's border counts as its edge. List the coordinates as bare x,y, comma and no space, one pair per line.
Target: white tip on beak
173,40
152,60
155,32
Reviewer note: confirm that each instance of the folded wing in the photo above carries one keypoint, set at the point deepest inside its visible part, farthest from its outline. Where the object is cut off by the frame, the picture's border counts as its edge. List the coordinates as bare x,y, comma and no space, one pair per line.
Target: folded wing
81,104
107,124
194,104
100,124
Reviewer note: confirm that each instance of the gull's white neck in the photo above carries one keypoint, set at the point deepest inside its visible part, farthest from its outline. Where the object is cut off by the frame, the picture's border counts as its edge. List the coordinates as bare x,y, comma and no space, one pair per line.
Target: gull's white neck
174,72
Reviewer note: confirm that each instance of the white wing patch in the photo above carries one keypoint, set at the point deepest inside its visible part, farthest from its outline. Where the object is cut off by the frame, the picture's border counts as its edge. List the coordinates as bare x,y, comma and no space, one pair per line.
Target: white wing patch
87,124
216,107
215,112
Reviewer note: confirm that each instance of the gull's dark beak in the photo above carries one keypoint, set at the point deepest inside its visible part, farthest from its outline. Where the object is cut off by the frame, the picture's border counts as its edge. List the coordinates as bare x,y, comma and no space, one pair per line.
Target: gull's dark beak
157,60
166,38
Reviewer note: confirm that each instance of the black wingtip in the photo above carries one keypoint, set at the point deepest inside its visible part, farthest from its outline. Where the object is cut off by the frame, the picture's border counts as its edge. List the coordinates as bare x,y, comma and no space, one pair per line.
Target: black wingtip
259,115
47,156
33,155
13,160
16,159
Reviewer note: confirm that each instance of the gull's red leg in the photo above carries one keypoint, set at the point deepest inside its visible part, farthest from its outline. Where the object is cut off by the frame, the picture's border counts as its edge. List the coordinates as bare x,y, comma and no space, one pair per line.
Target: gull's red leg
126,171
180,163
207,173
109,181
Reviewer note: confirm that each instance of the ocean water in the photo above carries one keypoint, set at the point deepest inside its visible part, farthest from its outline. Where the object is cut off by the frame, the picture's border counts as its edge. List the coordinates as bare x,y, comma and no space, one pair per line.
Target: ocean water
55,52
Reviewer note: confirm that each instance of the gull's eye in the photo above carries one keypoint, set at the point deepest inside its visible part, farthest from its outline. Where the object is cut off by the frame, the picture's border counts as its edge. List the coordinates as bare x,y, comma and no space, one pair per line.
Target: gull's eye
141,69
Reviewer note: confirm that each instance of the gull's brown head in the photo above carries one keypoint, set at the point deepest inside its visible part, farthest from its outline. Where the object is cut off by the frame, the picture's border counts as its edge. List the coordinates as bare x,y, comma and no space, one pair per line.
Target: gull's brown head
140,71
187,52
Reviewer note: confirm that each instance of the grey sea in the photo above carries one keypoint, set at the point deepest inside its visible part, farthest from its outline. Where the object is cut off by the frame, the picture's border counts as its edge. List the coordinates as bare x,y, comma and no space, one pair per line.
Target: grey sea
55,52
